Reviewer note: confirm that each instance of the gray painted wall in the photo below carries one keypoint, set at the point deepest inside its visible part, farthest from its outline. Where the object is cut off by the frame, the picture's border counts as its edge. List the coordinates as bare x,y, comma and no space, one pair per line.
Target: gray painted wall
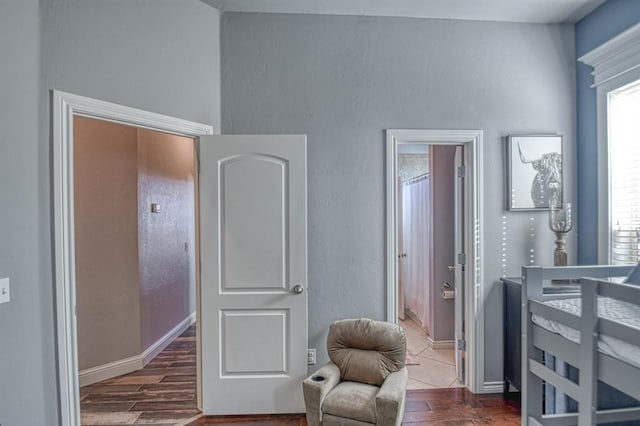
343,80
27,375
158,55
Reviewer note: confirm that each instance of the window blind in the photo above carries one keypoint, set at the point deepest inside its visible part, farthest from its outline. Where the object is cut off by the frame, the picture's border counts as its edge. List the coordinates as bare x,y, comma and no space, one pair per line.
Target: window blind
624,169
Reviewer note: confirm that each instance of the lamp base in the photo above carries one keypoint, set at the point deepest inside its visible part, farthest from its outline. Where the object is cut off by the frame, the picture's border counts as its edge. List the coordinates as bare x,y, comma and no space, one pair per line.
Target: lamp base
560,255
560,252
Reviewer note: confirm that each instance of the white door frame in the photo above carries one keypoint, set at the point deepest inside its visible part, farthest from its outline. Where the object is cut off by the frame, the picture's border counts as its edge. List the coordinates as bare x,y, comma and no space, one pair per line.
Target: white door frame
473,246
65,107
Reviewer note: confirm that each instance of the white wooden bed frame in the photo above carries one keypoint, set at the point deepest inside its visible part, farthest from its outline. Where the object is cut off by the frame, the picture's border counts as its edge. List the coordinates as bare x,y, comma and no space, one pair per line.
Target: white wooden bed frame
592,365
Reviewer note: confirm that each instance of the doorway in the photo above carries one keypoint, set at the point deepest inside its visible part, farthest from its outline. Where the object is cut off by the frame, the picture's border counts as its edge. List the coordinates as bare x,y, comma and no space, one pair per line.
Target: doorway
66,109
442,321
134,216
427,211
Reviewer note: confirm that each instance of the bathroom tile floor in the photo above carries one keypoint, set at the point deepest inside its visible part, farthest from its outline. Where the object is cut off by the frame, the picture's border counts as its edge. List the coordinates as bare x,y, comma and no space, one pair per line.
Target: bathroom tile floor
436,368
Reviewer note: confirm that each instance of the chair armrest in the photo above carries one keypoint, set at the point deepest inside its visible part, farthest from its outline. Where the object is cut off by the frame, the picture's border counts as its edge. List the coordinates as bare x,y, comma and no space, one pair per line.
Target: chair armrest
390,398
315,389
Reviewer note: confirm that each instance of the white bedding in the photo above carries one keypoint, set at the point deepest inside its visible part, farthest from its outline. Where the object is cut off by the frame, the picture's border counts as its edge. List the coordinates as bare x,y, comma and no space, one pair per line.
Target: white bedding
608,308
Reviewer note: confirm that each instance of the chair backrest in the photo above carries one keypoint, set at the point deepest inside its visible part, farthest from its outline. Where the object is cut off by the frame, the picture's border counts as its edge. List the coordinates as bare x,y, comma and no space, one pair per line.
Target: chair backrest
365,350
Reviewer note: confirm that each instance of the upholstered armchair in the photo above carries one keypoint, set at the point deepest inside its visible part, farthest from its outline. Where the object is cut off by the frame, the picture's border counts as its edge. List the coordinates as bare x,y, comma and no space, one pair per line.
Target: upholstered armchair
365,381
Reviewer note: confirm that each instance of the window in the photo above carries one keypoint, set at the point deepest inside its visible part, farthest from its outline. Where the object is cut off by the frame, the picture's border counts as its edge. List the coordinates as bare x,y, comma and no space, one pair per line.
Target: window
624,172
616,77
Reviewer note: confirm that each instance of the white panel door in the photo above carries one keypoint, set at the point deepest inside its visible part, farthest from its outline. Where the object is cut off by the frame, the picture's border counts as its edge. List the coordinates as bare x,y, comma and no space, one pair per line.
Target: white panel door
253,239
459,269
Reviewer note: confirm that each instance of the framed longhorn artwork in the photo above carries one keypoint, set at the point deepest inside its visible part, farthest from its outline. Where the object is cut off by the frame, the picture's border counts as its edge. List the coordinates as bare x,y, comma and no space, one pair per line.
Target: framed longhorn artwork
534,172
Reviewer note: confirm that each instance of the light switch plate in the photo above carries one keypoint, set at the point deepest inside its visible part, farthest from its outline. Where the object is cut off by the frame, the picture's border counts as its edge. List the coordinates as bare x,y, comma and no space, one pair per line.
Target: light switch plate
5,290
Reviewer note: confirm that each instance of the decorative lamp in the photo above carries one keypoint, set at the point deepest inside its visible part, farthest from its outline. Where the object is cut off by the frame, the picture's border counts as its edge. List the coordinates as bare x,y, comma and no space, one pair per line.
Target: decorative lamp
560,222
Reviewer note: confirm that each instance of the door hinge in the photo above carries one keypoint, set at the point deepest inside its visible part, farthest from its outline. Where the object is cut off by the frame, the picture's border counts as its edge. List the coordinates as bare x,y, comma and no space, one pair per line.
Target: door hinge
462,258
462,345
462,171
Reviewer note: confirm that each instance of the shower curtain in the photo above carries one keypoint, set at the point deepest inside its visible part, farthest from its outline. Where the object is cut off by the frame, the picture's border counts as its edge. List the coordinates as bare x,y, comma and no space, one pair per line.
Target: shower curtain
416,216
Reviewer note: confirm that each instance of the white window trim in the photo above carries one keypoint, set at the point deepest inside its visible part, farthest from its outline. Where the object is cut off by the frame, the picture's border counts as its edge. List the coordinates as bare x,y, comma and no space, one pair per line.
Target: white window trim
615,63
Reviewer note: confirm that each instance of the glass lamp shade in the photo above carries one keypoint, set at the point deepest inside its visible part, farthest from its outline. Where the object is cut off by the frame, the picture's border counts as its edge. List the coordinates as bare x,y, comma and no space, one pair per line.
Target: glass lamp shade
560,218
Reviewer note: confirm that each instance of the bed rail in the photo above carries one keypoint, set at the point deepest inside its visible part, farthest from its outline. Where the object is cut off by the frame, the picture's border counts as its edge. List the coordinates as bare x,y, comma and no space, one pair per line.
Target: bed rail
620,291
534,277
570,419
584,356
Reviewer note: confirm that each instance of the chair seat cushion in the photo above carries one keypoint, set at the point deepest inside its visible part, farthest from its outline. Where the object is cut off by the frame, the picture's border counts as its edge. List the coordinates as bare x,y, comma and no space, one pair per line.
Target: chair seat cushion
353,401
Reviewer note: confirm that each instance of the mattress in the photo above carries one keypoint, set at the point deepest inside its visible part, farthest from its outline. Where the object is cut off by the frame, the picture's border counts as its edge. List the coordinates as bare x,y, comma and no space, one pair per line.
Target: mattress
612,309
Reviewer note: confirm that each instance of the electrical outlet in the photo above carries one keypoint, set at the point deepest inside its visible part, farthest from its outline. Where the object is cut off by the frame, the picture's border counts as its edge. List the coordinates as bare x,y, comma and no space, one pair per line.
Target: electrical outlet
5,291
311,356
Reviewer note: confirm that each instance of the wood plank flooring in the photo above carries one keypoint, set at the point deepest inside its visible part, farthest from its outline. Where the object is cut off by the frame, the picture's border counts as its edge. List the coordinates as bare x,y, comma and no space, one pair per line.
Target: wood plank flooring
460,407
164,393
450,407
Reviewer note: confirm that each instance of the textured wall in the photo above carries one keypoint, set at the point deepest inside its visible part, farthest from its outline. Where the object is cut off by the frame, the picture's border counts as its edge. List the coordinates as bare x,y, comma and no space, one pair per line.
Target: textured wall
442,179
343,80
159,55
27,367
604,23
166,170
412,165
106,237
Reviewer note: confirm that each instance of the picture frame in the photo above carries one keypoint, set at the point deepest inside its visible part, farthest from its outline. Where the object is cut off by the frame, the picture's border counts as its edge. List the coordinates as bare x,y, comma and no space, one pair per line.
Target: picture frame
534,172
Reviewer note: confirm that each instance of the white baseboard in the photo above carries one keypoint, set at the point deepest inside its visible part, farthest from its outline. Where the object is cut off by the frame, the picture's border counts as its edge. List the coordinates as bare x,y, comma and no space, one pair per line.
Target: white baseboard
152,351
493,387
440,344
434,344
127,365
107,371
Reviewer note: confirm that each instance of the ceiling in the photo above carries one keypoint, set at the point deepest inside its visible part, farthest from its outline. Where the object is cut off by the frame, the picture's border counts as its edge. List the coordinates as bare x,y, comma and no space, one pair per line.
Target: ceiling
529,11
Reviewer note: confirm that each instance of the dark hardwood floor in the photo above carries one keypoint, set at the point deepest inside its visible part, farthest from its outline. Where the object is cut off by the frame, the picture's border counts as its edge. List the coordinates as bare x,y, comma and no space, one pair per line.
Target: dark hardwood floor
458,406
164,393
270,420
451,407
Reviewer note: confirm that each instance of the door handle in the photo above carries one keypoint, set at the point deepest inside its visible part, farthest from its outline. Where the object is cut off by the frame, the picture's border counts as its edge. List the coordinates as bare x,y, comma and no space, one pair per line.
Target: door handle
452,267
298,289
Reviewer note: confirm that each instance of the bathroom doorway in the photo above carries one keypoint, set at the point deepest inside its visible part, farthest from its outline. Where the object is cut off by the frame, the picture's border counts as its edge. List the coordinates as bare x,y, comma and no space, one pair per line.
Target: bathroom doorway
433,261
427,179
